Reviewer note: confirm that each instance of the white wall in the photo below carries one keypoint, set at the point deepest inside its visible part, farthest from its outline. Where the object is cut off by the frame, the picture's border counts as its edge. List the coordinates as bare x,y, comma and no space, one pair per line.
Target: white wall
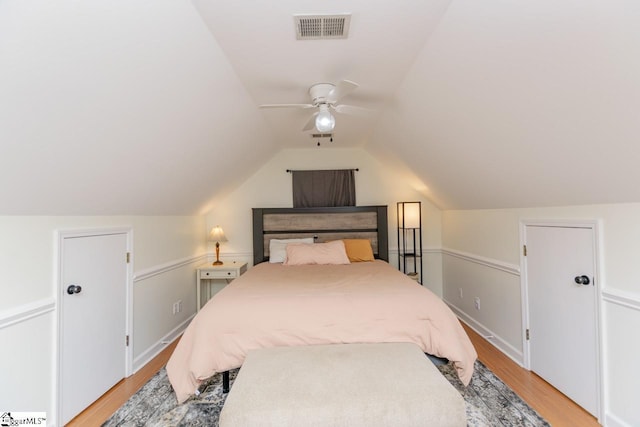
376,184
165,252
482,255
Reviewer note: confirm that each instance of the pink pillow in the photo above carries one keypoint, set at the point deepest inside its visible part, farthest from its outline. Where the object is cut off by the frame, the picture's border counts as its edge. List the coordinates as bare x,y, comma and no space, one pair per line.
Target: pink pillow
316,253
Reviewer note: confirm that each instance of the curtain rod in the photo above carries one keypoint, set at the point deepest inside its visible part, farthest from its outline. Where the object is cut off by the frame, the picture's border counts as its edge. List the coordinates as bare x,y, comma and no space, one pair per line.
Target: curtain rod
291,170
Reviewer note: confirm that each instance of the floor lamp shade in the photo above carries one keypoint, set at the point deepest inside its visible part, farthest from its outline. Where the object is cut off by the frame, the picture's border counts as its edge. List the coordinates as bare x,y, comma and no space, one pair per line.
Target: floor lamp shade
410,215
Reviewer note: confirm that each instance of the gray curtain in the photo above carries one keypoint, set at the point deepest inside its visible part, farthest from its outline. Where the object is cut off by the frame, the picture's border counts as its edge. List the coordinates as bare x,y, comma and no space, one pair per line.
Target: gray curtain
324,188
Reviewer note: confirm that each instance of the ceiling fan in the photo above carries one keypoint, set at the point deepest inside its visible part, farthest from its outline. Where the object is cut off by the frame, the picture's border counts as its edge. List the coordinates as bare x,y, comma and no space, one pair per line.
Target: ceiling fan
325,97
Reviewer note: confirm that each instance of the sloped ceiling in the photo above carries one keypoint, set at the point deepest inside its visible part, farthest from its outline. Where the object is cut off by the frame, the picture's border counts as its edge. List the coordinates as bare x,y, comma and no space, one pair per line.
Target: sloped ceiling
151,107
119,107
523,104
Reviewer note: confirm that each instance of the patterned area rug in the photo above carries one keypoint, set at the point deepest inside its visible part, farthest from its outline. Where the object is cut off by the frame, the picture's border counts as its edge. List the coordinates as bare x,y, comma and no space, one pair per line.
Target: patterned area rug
489,403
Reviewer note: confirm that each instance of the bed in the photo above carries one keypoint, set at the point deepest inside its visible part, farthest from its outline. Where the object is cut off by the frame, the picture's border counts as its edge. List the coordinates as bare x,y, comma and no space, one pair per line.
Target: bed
276,304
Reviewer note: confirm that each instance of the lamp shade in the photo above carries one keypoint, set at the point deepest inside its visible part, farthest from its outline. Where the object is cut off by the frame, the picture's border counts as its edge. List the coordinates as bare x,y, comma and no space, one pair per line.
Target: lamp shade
217,235
324,120
411,214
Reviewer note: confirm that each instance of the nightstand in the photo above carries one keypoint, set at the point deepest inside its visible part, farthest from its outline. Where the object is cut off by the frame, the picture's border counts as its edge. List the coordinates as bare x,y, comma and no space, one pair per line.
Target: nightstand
227,272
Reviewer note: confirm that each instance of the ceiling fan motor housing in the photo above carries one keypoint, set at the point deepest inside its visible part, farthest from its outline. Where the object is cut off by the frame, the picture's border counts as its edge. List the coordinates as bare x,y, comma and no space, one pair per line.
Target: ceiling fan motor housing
319,92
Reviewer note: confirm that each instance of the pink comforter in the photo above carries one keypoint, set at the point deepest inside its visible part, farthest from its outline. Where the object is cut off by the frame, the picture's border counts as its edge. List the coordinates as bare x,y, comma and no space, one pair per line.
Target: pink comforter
278,305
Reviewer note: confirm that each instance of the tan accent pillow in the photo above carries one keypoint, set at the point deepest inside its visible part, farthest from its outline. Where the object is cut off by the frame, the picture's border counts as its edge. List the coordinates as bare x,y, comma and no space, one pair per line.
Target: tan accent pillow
358,250
316,253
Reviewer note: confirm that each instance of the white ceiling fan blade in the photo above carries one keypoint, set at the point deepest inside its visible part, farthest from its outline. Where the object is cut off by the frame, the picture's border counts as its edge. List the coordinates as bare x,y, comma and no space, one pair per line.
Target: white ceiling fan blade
311,123
286,106
343,88
352,110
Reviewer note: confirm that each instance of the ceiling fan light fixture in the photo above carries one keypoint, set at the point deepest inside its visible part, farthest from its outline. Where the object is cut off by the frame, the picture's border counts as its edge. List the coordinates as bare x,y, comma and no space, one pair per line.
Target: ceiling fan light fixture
325,122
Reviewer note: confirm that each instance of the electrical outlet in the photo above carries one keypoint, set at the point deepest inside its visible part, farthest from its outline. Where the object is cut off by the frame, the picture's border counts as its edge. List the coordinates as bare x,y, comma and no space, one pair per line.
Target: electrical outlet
460,292
173,309
476,302
179,306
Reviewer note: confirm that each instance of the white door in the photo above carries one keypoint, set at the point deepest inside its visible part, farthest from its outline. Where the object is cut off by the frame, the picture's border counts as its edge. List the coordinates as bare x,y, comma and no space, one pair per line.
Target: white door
93,319
563,316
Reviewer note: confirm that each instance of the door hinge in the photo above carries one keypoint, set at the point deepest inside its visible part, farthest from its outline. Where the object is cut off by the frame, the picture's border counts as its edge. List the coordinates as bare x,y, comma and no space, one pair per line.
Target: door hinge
524,250
127,341
128,257
527,335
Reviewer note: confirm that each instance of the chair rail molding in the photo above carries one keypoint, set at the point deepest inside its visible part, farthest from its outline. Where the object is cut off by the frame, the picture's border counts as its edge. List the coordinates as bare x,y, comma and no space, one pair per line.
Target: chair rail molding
25,312
227,256
171,265
394,251
487,262
622,298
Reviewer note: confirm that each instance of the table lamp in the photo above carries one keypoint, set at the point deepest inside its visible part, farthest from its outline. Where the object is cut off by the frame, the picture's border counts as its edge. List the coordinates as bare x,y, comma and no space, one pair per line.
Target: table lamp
217,235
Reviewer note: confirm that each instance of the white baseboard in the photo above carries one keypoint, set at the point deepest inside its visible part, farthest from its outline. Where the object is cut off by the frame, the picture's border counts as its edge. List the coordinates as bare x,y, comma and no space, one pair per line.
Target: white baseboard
509,350
155,349
611,420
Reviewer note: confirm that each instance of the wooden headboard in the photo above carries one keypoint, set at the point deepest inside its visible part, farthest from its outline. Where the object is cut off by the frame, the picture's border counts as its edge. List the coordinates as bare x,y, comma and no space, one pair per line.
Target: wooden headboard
323,224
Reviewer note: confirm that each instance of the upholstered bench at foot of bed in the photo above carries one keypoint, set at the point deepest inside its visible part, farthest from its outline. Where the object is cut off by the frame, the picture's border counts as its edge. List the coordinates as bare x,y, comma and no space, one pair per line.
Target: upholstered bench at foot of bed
391,384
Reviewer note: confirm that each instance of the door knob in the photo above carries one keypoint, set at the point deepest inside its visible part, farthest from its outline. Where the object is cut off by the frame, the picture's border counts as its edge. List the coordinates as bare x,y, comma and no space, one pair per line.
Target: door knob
582,280
74,289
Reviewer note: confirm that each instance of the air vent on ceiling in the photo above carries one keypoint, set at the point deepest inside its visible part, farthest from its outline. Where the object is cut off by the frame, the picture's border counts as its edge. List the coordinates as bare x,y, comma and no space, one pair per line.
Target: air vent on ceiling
313,27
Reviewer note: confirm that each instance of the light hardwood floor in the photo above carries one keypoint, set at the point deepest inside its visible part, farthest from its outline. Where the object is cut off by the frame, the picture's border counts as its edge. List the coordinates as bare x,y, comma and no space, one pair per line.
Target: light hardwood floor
103,408
555,407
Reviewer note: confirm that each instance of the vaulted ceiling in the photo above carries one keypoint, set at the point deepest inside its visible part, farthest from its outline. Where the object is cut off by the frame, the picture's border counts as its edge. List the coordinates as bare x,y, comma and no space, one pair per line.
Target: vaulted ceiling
148,107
